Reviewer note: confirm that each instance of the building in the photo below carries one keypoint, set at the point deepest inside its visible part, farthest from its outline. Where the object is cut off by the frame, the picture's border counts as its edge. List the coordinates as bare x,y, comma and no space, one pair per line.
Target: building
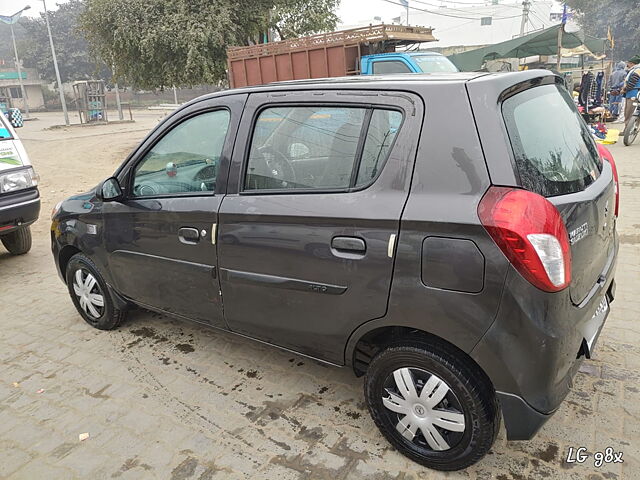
11,94
461,28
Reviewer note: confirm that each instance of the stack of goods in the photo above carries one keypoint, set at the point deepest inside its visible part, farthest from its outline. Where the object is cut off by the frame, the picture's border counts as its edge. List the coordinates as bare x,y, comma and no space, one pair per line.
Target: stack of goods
15,117
599,130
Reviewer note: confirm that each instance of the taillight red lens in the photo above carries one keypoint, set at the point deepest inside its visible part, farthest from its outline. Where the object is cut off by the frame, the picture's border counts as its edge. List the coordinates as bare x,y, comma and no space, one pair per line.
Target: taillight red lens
531,233
606,154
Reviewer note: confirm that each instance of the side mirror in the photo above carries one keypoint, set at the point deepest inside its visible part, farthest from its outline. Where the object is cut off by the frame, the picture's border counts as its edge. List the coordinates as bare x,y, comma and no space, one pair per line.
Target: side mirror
109,190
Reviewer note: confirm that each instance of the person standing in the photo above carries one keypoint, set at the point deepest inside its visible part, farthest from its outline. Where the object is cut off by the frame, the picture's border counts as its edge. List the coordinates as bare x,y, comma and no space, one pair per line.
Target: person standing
631,86
616,82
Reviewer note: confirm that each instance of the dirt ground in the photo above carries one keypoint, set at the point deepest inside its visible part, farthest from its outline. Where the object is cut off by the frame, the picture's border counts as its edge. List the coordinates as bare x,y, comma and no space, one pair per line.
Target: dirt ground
166,399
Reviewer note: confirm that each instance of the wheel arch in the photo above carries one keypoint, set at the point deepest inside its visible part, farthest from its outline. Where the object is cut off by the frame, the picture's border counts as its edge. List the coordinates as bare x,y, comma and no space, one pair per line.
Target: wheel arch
64,256
369,339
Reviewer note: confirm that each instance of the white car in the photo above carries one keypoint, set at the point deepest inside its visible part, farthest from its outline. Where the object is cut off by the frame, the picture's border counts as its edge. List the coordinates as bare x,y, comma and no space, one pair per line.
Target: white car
19,196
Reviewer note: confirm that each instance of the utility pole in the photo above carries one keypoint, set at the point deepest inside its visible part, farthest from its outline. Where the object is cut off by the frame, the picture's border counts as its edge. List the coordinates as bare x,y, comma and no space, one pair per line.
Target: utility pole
11,20
560,32
526,6
118,102
117,89
55,66
405,3
23,91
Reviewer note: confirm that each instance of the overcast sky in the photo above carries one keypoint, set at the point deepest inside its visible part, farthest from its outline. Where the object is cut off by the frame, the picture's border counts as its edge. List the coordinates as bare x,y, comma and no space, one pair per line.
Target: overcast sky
350,11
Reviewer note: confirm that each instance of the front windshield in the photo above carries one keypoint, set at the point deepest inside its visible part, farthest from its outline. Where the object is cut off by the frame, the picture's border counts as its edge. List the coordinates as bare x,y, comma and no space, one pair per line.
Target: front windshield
4,130
435,64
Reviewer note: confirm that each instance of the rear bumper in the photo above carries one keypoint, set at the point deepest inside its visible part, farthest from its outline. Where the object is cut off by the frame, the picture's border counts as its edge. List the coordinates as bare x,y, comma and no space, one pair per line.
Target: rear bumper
18,210
535,347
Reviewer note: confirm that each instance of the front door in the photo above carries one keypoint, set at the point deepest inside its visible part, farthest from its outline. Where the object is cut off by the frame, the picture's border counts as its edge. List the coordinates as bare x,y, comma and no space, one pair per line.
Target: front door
307,229
161,238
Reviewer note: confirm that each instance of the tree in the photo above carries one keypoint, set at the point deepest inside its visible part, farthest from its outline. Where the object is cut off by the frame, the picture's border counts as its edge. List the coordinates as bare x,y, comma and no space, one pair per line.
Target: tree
71,46
7,55
290,20
160,43
622,16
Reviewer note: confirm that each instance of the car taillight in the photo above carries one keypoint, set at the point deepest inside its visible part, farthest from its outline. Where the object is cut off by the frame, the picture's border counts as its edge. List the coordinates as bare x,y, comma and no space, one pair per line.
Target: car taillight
606,154
530,232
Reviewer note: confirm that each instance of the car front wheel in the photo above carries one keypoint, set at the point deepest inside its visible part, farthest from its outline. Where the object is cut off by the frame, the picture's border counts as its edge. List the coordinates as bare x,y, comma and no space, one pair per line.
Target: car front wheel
90,294
433,404
18,242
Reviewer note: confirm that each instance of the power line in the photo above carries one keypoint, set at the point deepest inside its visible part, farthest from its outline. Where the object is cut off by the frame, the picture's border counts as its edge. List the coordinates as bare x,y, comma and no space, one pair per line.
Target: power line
464,10
447,15
455,26
538,17
483,4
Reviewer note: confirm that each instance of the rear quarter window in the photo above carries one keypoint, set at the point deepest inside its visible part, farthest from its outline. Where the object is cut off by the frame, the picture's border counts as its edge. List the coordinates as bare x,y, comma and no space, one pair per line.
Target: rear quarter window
554,151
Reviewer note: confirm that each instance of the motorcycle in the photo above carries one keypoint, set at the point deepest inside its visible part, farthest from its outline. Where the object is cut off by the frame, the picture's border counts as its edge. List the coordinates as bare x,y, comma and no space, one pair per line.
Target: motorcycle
633,124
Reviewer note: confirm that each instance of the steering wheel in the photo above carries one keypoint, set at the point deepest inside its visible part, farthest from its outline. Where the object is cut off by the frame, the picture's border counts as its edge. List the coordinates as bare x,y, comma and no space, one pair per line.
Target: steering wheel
207,177
145,189
279,166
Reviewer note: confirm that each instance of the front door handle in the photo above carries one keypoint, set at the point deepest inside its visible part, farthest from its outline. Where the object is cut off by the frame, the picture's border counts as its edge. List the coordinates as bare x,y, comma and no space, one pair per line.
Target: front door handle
349,244
188,235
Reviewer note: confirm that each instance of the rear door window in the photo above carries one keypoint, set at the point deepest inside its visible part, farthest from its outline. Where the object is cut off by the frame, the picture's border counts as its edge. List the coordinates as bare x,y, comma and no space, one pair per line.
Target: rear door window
554,151
382,131
319,147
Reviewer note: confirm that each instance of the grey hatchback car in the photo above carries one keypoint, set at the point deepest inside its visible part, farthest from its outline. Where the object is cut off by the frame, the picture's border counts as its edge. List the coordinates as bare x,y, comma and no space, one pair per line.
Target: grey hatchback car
451,237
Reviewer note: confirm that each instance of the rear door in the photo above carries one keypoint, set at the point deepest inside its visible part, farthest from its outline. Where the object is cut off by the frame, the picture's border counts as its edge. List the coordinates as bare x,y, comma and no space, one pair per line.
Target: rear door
307,230
556,157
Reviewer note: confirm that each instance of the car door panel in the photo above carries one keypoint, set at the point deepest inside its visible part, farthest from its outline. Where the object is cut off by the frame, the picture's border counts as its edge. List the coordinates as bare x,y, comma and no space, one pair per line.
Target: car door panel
162,249
284,279
153,267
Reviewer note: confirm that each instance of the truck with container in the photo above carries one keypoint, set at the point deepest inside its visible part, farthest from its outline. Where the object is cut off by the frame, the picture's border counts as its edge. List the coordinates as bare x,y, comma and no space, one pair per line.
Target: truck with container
371,50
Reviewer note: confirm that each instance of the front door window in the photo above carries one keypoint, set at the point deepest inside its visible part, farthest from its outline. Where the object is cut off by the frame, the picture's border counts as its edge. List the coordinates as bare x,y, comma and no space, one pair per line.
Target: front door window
186,160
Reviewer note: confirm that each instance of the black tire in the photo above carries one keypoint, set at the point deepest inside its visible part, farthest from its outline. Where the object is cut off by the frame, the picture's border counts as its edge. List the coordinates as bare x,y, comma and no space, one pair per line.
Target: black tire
18,242
470,396
105,317
631,131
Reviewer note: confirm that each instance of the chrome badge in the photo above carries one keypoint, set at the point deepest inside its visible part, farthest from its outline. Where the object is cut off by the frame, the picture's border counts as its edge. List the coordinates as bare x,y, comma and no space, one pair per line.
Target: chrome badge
579,233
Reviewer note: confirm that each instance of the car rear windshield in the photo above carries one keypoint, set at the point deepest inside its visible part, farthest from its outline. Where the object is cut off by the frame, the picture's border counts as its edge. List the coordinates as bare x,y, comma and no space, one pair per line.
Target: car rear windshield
554,151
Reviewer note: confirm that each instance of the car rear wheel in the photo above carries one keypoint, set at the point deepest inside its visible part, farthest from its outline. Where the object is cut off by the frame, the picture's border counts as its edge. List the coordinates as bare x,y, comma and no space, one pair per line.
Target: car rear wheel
91,295
18,242
433,404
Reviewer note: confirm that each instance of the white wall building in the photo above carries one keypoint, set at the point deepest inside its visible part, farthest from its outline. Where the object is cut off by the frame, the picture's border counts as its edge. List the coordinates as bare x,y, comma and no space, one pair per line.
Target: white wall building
473,24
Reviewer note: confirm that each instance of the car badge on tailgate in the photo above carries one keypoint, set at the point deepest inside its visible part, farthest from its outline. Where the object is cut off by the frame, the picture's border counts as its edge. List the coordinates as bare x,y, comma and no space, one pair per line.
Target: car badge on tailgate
579,233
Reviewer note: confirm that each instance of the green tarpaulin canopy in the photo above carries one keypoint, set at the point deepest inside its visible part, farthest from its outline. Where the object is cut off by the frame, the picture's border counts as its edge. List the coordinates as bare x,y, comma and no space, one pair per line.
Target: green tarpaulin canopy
543,42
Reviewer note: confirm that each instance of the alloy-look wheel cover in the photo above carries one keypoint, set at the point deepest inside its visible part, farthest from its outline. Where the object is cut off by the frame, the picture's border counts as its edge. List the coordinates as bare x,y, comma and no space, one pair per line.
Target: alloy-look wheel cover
88,292
424,409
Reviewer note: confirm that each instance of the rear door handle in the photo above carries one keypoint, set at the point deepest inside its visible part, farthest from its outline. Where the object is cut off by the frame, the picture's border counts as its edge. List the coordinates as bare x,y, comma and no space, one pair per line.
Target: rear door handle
349,244
188,235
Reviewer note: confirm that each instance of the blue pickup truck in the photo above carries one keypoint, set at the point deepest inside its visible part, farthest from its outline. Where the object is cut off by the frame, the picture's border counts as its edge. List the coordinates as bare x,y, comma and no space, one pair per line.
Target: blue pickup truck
402,62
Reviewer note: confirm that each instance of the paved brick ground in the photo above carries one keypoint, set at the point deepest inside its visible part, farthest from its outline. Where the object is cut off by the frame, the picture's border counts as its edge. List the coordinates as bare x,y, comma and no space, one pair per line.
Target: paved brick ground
170,400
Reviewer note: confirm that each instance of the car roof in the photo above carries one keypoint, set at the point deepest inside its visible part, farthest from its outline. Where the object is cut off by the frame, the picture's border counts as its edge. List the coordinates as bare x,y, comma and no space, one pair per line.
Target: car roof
386,79
399,81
